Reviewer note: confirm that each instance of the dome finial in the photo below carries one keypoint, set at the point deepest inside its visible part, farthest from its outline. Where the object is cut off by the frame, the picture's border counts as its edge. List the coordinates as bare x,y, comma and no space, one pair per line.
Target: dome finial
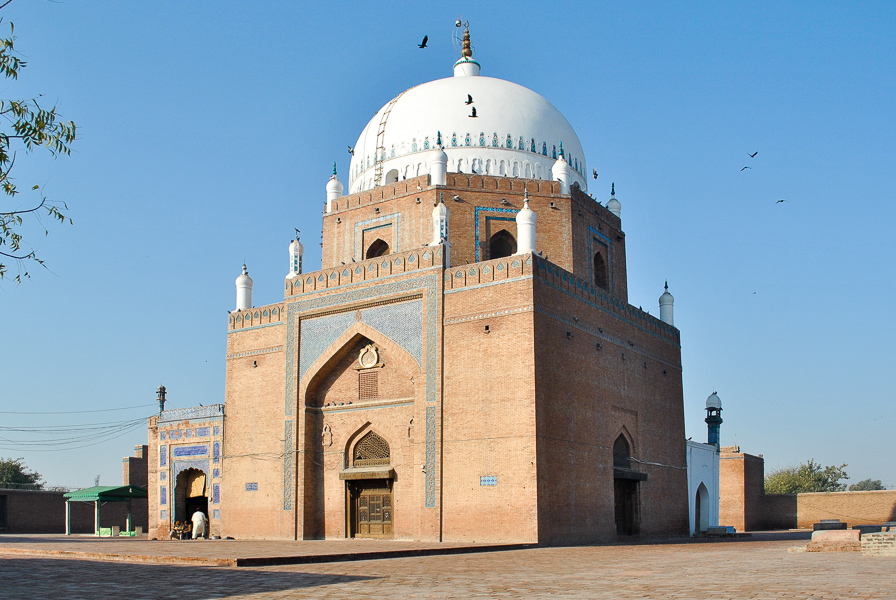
667,285
334,169
467,51
439,140
613,189
560,153
526,198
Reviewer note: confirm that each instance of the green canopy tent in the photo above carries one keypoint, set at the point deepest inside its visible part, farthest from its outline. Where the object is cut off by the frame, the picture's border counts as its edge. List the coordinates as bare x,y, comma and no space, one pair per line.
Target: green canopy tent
98,495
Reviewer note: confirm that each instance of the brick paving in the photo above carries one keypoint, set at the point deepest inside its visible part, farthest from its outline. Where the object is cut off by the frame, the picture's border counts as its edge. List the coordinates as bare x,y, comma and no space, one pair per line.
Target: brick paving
759,567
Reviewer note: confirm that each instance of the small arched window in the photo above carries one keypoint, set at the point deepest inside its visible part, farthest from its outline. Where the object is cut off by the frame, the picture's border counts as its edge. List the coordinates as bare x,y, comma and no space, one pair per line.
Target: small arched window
501,245
600,271
392,176
371,451
622,454
378,248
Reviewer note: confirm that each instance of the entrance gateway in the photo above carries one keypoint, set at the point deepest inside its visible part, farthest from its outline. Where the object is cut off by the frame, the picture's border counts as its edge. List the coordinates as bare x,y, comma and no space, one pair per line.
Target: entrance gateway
369,489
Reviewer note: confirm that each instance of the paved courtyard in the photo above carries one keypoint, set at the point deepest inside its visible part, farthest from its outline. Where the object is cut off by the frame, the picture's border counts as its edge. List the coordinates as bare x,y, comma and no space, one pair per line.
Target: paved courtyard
758,567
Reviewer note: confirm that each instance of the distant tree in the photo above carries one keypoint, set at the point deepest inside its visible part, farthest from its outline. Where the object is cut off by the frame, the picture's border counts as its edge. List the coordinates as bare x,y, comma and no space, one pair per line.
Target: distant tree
26,125
13,470
808,477
867,485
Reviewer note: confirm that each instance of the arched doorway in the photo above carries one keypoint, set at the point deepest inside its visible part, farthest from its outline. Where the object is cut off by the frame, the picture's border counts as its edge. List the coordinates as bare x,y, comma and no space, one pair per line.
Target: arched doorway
501,245
701,509
377,248
600,271
371,512
625,488
191,494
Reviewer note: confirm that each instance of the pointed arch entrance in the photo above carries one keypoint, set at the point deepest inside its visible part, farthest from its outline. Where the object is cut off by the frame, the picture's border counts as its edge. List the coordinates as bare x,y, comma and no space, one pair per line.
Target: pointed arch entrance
191,494
369,496
701,509
625,488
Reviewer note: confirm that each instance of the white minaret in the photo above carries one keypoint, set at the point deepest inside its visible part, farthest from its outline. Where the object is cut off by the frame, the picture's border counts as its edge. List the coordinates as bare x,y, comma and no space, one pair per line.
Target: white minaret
334,189
666,301
560,171
613,204
438,164
440,216
244,290
296,250
525,228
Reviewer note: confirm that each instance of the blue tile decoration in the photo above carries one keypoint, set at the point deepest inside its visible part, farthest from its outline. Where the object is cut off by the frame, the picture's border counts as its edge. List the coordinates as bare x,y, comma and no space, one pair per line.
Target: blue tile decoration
200,450
288,468
216,452
163,456
189,433
252,487
163,435
202,431
175,434
393,219
216,494
163,495
216,430
195,412
163,515
216,514
216,473
488,480
163,476
427,282
488,209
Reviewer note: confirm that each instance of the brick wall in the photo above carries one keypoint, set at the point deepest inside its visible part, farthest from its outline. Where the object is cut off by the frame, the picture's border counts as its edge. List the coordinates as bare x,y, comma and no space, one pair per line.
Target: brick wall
44,512
879,544
854,508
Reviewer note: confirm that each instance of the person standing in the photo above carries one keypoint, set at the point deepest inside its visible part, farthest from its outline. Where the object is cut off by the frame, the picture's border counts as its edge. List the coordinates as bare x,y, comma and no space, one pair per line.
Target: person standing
198,524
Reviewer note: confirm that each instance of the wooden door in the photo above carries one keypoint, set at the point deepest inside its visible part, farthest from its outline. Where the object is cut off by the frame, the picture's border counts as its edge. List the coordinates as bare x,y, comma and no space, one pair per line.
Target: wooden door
373,513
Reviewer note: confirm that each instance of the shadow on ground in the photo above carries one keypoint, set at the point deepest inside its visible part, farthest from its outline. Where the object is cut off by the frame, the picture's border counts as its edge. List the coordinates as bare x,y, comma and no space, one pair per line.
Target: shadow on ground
29,578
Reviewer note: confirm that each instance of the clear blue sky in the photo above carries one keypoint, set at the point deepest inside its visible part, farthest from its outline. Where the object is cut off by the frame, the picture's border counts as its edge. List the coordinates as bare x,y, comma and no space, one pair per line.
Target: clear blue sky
208,132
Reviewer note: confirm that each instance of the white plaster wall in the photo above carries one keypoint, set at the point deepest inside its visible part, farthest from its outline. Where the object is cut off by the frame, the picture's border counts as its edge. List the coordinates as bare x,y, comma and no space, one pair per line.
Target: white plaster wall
703,467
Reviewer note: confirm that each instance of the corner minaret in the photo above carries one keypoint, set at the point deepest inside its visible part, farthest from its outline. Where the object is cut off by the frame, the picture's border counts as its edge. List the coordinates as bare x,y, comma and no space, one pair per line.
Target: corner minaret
334,189
438,164
244,290
560,171
613,204
296,251
666,305
525,227
713,418
466,66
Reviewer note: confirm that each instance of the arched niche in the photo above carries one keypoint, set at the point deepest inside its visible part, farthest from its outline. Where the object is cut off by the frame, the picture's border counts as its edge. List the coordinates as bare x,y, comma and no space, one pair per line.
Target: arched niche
376,249
501,245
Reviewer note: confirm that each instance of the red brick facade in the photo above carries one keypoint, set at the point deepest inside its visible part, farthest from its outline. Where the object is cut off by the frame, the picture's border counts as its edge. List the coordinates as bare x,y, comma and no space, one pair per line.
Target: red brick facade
493,389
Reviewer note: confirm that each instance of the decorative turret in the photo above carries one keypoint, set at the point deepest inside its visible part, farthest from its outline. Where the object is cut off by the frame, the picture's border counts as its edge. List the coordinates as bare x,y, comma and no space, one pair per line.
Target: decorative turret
561,171
296,251
613,204
466,66
713,418
160,394
438,164
244,290
525,228
334,189
666,302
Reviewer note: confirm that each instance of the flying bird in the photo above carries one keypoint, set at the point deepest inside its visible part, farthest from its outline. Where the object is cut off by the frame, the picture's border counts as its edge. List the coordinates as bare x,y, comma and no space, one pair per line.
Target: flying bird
754,154
423,43
745,168
469,99
351,150
780,201
594,172
474,113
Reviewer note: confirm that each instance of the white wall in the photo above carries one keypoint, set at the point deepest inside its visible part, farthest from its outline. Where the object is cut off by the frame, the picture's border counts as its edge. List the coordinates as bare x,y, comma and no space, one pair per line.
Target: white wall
703,467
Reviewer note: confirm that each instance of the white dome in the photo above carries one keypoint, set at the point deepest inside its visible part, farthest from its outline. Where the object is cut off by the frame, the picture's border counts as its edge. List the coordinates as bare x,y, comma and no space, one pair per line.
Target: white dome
713,401
504,111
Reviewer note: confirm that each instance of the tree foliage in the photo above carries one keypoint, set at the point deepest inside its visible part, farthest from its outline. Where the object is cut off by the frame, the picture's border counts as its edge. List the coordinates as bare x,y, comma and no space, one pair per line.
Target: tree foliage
808,477
26,126
867,485
13,470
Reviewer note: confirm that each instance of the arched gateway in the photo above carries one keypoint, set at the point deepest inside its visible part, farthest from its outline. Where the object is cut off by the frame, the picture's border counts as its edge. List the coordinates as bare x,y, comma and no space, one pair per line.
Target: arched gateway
370,500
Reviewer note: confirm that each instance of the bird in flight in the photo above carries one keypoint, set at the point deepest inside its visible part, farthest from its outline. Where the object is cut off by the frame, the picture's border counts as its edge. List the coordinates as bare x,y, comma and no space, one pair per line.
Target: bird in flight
780,201
351,150
594,172
474,113
423,43
469,99
745,168
754,154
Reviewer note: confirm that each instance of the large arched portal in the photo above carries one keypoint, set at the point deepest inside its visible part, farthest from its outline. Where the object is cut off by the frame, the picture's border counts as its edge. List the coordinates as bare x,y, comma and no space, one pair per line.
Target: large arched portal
191,494
371,511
